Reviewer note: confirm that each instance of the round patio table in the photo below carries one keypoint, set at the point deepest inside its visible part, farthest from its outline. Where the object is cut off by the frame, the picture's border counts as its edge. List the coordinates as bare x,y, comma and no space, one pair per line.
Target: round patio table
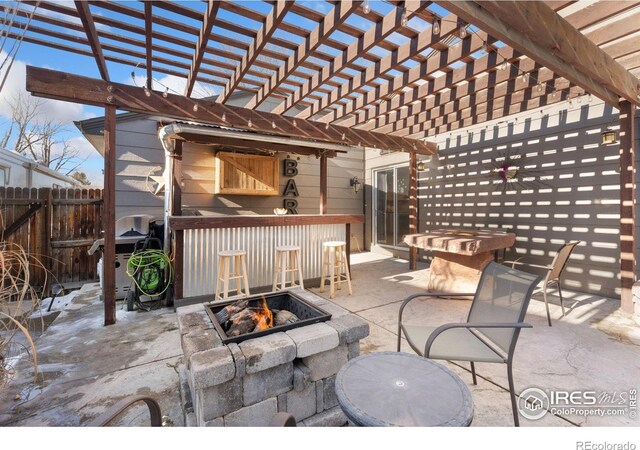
401,389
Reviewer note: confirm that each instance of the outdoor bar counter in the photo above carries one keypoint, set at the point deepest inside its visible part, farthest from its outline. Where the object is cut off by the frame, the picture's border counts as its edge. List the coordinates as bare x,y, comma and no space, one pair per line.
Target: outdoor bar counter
459,256
198,239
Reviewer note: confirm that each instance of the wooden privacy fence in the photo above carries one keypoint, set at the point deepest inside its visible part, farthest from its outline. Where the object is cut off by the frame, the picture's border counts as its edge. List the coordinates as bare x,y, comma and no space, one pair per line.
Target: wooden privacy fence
56,226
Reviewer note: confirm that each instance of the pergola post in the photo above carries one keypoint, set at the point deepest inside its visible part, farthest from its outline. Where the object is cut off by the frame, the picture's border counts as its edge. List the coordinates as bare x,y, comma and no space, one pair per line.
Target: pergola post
413,207
323,183
109,215
627,213
175,189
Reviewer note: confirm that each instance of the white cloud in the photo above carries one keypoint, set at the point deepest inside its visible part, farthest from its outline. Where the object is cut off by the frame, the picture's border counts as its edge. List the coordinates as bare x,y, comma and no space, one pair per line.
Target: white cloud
84,147
16,85
176,85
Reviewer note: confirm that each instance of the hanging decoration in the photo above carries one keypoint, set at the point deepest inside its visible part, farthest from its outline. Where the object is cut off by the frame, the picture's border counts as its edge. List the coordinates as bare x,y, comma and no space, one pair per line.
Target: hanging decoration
513,171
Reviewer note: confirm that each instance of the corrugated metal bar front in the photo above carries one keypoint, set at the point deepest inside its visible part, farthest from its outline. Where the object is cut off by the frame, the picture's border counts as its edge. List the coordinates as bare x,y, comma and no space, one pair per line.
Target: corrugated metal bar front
201,249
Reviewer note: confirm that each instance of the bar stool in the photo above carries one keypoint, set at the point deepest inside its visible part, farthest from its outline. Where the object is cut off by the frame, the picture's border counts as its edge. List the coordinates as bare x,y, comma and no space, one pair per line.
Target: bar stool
334,258
288,261
225,275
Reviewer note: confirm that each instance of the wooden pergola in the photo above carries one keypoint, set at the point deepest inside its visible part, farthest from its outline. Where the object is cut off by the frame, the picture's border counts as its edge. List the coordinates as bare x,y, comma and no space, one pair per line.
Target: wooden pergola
416,70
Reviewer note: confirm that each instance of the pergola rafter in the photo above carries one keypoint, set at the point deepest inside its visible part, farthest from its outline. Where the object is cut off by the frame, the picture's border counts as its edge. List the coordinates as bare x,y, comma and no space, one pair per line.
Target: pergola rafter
473,87
424,71
203,40
148,32
316,38
424,41
274,19
389,24
84,13
539,32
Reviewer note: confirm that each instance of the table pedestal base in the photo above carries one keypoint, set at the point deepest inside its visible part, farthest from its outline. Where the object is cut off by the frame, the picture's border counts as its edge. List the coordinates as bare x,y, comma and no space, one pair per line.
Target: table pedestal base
451,272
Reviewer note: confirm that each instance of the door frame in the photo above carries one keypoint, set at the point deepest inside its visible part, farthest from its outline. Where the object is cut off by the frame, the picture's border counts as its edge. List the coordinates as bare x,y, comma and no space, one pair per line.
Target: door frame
374,203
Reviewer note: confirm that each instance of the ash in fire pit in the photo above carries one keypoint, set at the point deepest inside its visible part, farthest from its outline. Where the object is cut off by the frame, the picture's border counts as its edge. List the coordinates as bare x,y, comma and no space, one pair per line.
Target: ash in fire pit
257,316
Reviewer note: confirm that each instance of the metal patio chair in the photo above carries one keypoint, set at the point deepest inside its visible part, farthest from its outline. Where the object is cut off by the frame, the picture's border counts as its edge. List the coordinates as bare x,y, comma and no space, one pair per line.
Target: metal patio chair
553,273
493,324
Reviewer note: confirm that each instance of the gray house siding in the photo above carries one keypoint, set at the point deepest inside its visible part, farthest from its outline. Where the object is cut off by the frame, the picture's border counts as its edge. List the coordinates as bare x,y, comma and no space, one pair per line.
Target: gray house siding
575,195
140,155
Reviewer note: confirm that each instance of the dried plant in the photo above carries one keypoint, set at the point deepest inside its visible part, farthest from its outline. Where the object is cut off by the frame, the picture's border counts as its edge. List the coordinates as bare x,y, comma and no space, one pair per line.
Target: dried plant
18,300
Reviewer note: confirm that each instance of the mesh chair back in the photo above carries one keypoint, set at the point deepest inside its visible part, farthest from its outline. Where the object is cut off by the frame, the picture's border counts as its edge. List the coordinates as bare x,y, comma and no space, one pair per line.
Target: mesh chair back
560,260
502,297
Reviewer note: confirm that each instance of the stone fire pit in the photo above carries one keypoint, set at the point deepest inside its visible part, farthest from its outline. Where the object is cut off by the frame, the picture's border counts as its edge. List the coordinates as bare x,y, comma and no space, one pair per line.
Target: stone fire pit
293,371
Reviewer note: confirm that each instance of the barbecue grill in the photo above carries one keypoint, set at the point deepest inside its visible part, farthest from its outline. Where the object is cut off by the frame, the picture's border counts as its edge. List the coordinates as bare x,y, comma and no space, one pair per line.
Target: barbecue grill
129,231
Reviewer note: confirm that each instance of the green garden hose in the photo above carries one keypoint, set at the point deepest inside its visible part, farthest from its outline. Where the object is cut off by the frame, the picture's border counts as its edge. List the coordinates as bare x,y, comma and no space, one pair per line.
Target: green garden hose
147,270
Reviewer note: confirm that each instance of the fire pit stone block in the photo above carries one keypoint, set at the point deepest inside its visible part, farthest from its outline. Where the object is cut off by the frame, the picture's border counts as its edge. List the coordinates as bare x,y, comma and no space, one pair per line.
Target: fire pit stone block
238,359
319,396
350,328
301,376
269,351
258,415
268,383
313,339
326,364
329,392
353,350
199,340
216,401
302,404
191,318
333,417
211,367
309,296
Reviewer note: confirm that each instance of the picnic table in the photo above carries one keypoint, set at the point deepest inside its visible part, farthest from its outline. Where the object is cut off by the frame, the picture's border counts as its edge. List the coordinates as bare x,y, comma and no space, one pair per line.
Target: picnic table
459,256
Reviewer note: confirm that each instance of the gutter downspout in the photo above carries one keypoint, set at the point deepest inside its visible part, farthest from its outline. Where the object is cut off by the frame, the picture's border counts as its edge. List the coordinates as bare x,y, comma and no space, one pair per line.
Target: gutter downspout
164,134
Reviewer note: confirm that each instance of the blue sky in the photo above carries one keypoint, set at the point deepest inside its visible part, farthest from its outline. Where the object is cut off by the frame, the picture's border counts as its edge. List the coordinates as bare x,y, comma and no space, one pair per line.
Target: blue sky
31,54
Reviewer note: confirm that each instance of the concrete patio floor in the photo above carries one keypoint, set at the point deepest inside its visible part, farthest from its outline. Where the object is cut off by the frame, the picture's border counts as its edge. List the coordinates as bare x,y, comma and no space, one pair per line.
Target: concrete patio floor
87,367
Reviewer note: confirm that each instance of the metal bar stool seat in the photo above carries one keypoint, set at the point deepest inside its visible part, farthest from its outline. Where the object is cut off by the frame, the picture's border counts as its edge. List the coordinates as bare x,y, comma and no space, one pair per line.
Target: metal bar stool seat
225,274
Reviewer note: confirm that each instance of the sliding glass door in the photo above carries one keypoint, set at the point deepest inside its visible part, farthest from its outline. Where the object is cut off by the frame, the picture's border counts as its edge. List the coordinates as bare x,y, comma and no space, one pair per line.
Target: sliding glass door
391,204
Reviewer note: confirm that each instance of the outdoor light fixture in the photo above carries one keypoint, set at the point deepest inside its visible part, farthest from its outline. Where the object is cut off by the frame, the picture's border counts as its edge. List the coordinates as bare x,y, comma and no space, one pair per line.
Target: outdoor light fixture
609,136
420,166
355,184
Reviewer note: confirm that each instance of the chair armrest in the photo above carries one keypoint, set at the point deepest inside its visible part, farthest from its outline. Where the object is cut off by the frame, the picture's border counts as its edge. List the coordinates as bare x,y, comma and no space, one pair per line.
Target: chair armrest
414,296
449,326
428,294
124,404
518,263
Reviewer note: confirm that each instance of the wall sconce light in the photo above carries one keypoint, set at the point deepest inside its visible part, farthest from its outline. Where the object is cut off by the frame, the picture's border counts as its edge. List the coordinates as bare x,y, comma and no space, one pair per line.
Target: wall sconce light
420,166
609,136
355,184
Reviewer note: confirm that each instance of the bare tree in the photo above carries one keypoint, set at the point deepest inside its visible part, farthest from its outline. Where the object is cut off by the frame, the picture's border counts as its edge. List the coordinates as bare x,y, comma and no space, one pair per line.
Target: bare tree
81,178
37,138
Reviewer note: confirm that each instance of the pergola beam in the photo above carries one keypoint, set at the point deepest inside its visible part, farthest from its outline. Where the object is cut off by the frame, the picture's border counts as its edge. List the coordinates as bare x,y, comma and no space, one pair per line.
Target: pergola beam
201,47
316,38
274,19
92,35
79,89
539,32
